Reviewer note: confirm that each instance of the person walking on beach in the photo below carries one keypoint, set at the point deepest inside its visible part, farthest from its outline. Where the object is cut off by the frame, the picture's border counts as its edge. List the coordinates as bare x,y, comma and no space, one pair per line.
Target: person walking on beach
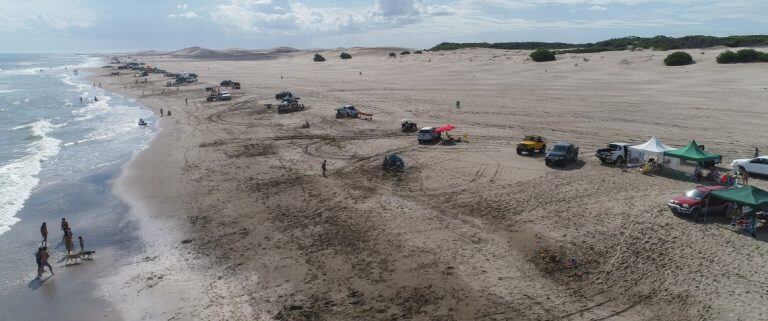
38,256
44,233
757,152
81,99
44,260
68,242
323,167
64,227
82,244
161,112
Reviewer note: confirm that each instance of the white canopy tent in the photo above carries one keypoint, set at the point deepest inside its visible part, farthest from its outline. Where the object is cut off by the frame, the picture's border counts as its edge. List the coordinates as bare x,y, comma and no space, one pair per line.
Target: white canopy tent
653,148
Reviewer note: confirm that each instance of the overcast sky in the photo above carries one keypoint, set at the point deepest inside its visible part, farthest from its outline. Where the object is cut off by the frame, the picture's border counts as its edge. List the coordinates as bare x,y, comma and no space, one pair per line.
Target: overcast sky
102,26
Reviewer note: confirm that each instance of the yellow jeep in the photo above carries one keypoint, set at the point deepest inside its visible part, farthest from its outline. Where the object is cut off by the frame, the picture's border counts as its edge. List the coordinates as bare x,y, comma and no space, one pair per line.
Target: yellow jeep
531,144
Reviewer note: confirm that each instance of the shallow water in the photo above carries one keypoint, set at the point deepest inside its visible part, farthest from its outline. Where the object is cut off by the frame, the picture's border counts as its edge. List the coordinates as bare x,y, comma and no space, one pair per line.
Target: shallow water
58,156
48,135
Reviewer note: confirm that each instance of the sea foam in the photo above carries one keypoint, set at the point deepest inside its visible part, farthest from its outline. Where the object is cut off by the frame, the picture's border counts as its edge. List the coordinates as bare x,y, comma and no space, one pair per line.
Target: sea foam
19,177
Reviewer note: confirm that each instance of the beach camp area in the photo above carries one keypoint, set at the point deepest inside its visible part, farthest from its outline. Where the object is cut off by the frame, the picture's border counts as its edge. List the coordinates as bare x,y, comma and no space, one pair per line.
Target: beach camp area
468,229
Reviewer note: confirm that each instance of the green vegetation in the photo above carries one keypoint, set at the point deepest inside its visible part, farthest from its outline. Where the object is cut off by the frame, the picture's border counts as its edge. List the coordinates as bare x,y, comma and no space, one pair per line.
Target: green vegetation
345,55
418,52
405,53
742,56
542,55
392,55
319,58
656,43
680,58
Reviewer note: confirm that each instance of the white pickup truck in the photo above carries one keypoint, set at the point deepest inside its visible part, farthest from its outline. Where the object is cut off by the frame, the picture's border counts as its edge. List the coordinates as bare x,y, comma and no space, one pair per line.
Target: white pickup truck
616,153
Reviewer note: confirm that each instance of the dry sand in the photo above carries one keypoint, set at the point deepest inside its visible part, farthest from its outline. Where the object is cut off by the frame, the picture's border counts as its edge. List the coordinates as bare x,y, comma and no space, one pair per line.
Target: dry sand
240,225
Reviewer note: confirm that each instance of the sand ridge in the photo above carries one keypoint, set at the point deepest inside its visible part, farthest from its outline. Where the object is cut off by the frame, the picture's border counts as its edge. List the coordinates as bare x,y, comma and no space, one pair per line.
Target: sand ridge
469,231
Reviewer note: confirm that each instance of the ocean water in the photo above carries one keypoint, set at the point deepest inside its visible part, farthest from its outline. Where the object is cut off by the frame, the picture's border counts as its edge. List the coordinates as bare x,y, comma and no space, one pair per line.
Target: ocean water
49,136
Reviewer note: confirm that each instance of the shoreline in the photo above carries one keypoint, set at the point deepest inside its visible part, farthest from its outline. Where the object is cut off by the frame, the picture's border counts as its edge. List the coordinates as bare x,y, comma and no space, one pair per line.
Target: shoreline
167,268
74,182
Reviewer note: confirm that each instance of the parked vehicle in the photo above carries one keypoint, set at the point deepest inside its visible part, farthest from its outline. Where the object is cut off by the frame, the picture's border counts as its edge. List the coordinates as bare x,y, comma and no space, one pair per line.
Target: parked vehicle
695,202
216,94
408,126
284,94
346,111
616,153
229,83
531,144
289,105
562,154
752,165
393,162
428,135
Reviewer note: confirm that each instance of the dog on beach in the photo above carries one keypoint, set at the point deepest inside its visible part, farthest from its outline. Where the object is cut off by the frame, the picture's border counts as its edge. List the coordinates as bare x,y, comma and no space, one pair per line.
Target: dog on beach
73,257
82,255
87,255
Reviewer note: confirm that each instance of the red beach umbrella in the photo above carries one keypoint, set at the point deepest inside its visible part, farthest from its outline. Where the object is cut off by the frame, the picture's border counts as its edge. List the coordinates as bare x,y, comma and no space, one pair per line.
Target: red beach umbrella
445,128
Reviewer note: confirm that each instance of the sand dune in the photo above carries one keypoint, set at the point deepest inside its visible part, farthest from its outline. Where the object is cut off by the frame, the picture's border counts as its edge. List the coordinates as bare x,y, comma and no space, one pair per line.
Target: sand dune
201,53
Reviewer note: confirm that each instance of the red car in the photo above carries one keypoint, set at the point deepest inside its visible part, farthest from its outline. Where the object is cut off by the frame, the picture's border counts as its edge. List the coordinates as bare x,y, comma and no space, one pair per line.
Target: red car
694,203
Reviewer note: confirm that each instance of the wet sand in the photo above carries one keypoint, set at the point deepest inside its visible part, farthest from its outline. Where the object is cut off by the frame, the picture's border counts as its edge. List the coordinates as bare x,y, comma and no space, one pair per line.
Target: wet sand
72,293
240,225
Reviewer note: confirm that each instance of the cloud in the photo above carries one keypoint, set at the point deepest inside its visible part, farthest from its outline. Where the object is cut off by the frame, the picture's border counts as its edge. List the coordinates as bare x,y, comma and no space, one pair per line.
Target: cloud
284,17
188,14
182,6
45,14
597,8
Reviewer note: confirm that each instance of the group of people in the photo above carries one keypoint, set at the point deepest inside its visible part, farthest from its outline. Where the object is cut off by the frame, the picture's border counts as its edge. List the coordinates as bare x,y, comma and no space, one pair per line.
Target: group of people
42,255
168,114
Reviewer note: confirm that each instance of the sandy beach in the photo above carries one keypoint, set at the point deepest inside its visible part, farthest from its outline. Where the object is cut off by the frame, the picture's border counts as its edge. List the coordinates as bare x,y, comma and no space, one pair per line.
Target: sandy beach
239,224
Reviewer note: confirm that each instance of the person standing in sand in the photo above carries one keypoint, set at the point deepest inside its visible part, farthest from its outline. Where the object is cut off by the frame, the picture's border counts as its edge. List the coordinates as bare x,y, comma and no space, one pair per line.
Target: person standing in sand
186,101
161,112
169,113
757,152
745,177
44,233
323,167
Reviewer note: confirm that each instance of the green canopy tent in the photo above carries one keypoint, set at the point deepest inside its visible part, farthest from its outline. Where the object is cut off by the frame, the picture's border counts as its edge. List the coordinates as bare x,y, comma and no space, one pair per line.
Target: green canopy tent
693,152
745,195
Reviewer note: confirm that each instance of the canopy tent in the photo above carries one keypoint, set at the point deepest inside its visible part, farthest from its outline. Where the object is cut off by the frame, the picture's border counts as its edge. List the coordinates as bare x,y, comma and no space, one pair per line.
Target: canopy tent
692,152
750,196
653,148
445,128
746,195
